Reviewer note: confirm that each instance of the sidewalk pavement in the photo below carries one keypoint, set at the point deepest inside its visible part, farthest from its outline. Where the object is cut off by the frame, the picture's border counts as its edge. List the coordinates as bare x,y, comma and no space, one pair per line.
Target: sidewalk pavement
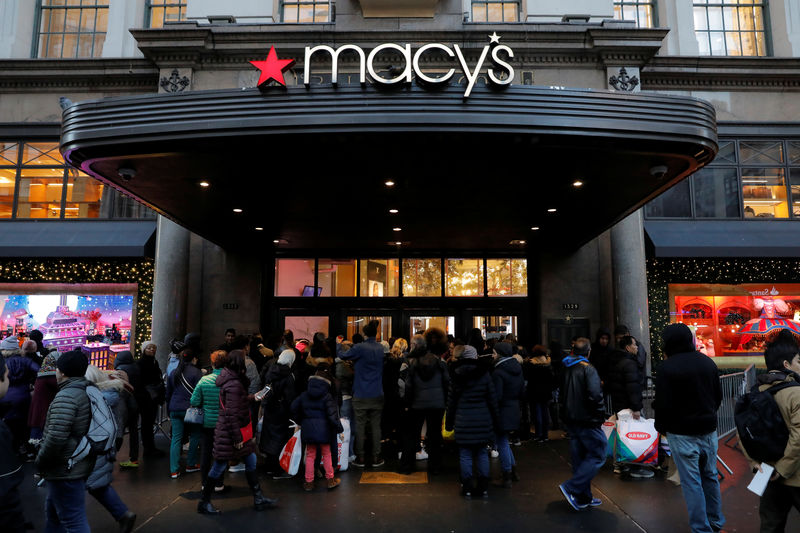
629,505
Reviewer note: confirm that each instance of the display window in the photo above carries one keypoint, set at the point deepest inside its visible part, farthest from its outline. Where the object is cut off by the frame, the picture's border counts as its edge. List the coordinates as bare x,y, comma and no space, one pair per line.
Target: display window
420,323
422,277
495,327
764,193
304,327
507,277
379,277
336,277
464,277
294,277
735,320
7,177
355,324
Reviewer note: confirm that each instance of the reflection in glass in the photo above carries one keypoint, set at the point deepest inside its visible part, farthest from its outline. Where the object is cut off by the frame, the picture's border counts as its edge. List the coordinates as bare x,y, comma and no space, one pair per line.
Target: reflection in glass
716,193
495,327
355,324
294,277
305,11
495,11
639,11
507,277
672,203
764,193
39,197
420,323
730,27
422,277
304,327
794,179
83,196
7,179
337,277
464,277
379,277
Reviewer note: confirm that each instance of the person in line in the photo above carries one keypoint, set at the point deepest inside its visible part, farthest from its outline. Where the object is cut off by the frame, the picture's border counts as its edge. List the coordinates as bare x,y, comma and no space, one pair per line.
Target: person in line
30,351
67,422
233,435
275,431
367,360
15,406
541,381
601,351
345,375
392,417
230,337
783,490
38,337
584,413
318,415
99,482
123,362
509,386
641,354
426,386
11,474
473,414
688,394
206,396
153,396
180,387
44,390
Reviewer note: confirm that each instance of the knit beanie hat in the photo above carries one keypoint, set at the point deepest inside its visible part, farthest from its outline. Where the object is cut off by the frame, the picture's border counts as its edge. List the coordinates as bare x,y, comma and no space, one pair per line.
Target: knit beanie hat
29,346
504,349
73,364
10,343
286,358
469,352
145,344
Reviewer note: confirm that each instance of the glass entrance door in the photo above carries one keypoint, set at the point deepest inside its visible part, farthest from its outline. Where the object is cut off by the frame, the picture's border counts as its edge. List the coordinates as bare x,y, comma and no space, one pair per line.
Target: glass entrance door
420,323
356,323
496,327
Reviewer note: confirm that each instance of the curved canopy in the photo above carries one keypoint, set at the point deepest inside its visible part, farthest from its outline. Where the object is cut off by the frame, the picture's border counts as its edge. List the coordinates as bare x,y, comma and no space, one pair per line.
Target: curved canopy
309,165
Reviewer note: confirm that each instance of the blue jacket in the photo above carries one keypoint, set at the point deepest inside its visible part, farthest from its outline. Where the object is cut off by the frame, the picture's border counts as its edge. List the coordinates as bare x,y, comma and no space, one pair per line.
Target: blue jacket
178,398
367,359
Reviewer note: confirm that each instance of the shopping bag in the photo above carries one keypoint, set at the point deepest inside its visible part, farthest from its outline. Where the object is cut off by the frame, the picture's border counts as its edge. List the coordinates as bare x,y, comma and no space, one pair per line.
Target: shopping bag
292,452
343,444
610,431
447,435
637,440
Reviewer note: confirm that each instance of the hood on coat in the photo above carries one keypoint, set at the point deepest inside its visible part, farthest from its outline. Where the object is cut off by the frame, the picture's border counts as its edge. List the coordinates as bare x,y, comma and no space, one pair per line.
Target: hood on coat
774,377
513,369
228,375
467,370
123,358
318,387
572,360
427,366
678,338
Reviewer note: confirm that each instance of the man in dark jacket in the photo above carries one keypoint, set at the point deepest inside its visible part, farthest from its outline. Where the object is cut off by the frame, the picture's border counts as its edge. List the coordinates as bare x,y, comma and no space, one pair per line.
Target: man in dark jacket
584,413
641,354
67,421
367,358
509,386
11,474
601,351
124,362
688,395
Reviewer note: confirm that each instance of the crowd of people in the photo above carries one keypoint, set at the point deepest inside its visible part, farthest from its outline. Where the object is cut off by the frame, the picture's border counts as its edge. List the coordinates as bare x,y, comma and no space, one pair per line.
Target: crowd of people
403,400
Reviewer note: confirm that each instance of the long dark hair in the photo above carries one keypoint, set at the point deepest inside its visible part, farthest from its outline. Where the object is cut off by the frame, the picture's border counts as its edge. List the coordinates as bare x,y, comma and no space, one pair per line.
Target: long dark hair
236,362
320,348
475,339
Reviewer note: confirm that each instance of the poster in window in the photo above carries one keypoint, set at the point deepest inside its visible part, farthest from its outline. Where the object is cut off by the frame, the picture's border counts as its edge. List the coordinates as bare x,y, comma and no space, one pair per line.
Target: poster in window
375,288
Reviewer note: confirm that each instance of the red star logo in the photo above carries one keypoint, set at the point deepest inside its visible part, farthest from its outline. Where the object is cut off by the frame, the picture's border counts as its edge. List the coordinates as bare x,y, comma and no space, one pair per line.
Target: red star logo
273,68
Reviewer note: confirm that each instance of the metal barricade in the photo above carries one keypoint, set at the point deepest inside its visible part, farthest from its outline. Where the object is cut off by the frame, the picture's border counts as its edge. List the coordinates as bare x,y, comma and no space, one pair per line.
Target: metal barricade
733,386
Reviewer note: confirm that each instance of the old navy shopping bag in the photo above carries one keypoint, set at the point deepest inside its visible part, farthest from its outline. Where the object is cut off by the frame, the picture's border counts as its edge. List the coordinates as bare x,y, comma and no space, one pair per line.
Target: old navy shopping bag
637,441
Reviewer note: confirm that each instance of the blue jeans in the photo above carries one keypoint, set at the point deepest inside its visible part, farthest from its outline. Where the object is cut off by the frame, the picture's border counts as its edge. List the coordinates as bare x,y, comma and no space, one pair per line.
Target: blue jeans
588,451
540,415
65,507
696,459
468,455
348,413
109,499
504,449
218,468
178,427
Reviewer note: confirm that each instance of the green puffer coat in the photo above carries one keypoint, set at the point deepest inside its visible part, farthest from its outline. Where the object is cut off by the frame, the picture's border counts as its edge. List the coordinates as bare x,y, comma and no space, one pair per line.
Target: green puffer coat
206,395
67,421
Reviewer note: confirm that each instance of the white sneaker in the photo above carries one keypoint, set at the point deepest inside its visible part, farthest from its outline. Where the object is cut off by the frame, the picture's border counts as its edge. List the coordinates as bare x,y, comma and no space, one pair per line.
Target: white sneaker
495,454
185,447
422,455
237,468
351,458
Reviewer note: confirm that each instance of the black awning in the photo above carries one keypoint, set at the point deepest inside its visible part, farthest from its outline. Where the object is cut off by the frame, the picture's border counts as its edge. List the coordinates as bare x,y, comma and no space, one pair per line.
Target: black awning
723,238
83,238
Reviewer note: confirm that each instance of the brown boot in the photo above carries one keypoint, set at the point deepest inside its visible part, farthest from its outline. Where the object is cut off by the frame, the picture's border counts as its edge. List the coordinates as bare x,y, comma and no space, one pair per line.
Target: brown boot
333,483
308,486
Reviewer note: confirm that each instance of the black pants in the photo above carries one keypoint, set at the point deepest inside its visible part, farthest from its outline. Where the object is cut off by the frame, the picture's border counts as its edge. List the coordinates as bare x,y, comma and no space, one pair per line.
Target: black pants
776,502
147,410
433,439
133,425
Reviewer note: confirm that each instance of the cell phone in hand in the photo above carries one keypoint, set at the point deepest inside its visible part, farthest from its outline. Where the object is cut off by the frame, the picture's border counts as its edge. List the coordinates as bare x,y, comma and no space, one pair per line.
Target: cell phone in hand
262,393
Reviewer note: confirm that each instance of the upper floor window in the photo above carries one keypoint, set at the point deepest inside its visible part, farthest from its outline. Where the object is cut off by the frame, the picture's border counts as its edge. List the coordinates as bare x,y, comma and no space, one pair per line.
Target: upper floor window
639,11
35,182
72,28
160,12
295,11
495,11
730,27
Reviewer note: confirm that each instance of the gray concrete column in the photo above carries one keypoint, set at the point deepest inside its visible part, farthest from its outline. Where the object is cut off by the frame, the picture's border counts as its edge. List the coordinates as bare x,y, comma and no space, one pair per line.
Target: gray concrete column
630,278
171,285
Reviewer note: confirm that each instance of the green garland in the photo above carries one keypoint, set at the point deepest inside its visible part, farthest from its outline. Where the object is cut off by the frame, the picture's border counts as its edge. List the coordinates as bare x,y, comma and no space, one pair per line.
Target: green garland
662,272
139,271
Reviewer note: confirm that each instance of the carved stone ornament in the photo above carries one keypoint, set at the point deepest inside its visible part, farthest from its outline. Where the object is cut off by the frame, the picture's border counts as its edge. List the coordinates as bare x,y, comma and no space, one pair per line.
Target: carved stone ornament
175,83
624,79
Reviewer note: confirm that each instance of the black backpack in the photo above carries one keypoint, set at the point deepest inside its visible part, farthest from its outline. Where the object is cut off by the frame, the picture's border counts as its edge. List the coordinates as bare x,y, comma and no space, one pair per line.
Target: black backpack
762,430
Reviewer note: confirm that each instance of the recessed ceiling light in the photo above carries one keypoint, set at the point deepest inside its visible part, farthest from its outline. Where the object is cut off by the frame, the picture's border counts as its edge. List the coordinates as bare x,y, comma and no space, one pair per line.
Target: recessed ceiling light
535,228
577,183
552,210
393,211
259,229
237,210
398,243
516,242
205,184
276,241
389,183
397,229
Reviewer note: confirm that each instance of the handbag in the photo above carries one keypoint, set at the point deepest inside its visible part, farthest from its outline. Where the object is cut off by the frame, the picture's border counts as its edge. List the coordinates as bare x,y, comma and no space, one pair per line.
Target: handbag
194,415
157,392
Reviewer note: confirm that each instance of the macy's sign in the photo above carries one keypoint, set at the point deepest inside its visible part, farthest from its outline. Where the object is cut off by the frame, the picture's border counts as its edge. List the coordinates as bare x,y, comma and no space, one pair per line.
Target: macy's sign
500,74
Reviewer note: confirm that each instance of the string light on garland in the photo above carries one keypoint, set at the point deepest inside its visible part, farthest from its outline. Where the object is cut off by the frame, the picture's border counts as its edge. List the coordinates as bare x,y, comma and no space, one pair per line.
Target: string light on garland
138,271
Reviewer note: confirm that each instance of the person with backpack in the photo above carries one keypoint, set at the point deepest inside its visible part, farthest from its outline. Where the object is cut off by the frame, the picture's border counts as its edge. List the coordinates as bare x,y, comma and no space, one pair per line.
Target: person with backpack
180,386
772,435
68,421
688,394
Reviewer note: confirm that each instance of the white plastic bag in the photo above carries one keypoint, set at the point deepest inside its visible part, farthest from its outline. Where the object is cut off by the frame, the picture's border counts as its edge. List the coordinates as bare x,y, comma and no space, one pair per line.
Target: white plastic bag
343,445
637,440
610,431
292,452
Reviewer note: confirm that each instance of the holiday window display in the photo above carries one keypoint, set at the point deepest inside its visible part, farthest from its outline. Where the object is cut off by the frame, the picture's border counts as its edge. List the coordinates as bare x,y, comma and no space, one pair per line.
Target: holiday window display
730,320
